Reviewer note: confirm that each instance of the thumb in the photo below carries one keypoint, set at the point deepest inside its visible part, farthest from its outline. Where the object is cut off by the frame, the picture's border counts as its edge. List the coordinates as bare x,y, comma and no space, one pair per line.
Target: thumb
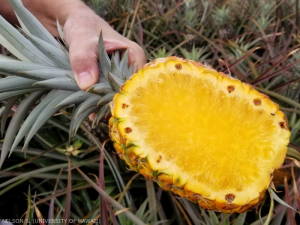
83,58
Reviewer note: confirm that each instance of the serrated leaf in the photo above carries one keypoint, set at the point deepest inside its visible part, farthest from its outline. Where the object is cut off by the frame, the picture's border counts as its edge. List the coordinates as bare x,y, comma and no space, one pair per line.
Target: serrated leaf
21,44
115,69
10,94
101,113
14,83
8,107
115,82
103,57
77,121
240,219
106,98
17,119
100,88
276,198
90,102
75,98
32,24
19,66
59,57
62,83
129,72
33,115
12,49
45,74
124,64
47,112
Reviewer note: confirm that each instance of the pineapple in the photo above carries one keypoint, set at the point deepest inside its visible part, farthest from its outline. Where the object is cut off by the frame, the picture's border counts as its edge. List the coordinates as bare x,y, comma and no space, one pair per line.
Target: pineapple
196,132
201,134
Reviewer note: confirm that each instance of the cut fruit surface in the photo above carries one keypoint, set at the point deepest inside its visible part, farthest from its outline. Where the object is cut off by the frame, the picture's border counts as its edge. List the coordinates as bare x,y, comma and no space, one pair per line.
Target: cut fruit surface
215,139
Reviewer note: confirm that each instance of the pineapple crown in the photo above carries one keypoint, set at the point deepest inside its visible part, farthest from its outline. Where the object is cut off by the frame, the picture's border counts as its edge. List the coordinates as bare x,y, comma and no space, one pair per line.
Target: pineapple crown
43,74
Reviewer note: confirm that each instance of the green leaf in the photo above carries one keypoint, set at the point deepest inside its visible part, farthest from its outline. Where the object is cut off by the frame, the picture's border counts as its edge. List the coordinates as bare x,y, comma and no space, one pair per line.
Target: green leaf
106,98
75,98
90,102
16,121
103,57
61,83
21,44
14,83
28,123
124,64
6,112
57,55
32,24
115,69
10,94
18,66
276,198
101,113
44,74
240,220
47,112
100,88
115,82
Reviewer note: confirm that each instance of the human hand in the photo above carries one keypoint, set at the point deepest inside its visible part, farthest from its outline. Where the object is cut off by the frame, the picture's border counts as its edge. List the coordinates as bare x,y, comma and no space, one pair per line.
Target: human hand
82,29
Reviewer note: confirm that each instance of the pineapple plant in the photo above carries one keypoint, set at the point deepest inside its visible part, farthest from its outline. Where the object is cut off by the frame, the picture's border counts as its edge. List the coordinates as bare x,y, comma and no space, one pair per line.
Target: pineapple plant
196,132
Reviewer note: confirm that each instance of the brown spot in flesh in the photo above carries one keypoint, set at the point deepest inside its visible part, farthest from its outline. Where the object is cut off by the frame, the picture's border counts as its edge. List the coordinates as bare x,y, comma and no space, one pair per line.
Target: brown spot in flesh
229,198
282,125
159,159
178,66
127,130
124,106
257,101
230,88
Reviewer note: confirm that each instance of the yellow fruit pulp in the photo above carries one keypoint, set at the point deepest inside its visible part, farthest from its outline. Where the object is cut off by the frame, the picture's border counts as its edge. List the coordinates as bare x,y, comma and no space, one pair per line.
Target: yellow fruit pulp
215,136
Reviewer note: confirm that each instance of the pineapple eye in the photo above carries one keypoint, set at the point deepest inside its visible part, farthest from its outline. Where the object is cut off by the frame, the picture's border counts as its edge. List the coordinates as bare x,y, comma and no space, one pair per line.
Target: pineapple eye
282,125
229,198
230,89
178,66
159,159
257,101
127,130
124,106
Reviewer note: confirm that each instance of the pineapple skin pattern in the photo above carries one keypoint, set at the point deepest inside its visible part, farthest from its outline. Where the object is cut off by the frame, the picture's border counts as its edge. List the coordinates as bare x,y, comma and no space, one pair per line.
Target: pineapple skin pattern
153,167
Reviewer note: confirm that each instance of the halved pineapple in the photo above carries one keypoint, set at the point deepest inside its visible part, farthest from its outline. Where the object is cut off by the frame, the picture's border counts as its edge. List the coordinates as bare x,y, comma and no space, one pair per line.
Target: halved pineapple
199,133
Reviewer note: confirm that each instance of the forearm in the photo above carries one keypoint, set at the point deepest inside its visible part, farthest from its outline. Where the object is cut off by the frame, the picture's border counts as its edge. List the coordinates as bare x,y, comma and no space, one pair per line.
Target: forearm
46,11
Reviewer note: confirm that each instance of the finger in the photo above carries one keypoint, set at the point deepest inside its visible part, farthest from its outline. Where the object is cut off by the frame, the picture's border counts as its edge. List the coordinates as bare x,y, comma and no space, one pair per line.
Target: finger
83,58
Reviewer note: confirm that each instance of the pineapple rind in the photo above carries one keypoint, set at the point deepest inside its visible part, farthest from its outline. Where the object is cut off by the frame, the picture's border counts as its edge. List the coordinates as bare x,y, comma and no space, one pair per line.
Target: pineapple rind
142,159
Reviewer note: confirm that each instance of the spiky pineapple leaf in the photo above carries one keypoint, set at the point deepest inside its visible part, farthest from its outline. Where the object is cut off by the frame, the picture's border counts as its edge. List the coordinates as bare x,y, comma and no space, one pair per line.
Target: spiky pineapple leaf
8,84
17,119
21,44
100,88
75,98
57,55
90,102
115,69
62,83
45,74
32,24
10,94
103,57
106,98
47,112
101,113
115,82
28,123
6,111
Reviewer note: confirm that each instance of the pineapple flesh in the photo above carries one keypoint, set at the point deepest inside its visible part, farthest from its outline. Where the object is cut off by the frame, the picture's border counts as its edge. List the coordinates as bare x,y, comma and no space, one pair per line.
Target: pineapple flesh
199,133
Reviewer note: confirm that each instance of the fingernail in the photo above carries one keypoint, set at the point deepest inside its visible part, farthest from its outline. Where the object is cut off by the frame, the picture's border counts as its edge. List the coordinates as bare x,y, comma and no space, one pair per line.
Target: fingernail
85,79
